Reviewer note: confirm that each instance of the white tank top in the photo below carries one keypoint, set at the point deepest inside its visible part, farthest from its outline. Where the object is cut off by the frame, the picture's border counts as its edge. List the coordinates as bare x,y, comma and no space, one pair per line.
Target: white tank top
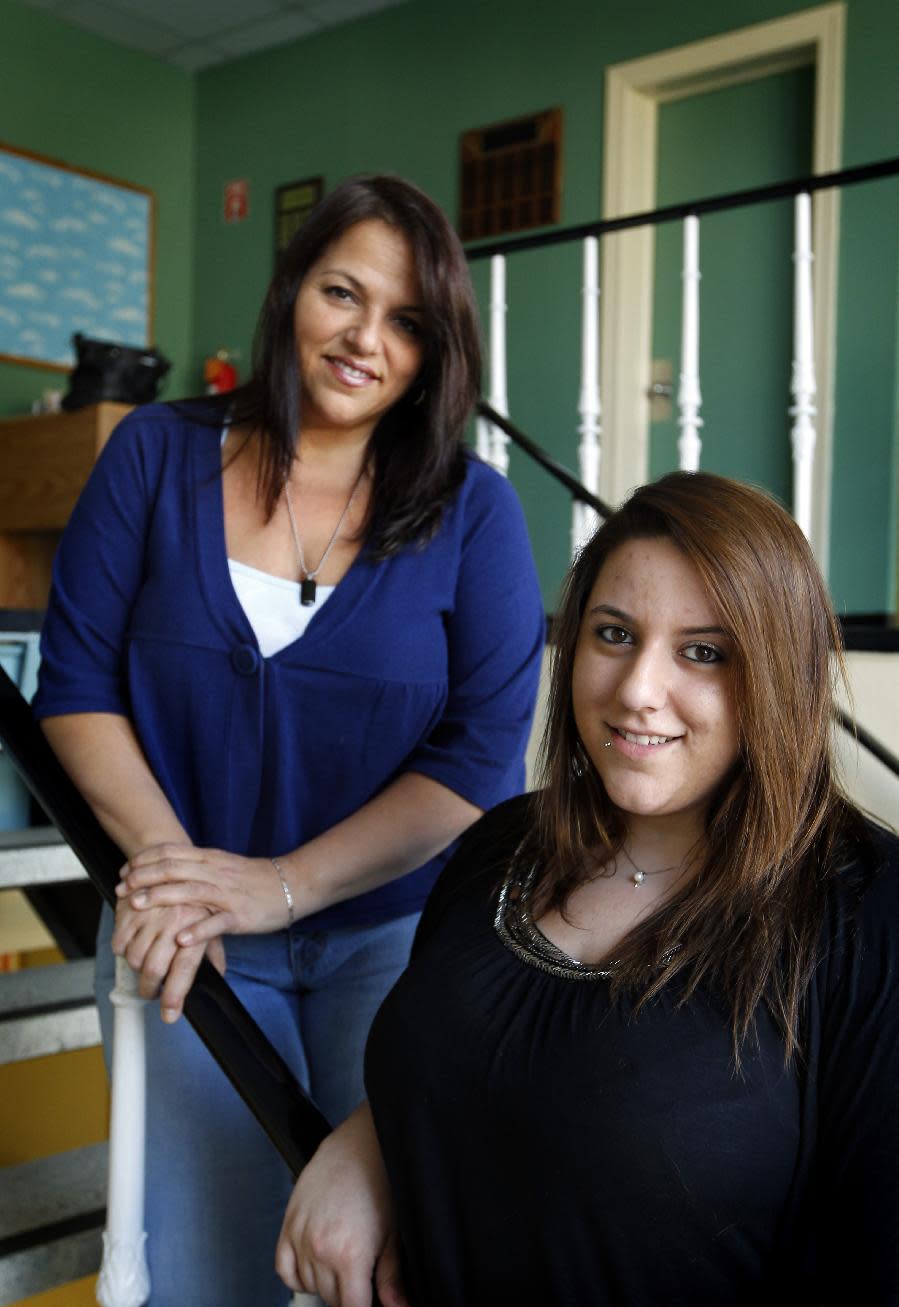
272,605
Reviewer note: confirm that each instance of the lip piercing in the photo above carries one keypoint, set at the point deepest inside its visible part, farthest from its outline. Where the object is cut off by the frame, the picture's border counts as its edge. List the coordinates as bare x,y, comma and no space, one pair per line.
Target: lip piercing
608,744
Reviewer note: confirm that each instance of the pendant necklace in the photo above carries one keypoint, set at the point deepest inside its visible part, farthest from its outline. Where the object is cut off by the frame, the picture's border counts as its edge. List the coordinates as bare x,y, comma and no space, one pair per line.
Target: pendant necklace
638,875
307,578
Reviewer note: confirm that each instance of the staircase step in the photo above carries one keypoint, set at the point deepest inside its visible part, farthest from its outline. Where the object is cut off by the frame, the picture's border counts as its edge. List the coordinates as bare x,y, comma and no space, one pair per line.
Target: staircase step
52,1213
36,856
47,1010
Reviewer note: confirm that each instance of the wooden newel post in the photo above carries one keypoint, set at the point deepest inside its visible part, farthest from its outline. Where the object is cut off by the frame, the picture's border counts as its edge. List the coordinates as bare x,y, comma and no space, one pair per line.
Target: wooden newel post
124,1278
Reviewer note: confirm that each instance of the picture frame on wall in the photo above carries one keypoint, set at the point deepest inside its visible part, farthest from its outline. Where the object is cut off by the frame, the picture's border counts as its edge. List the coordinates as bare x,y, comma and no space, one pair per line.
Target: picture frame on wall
77,252
293,203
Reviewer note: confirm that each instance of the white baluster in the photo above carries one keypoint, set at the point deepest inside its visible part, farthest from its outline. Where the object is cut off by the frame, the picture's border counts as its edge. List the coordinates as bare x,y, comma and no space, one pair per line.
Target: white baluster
584,520
124,1279
802,386
482,436
689,396
498,453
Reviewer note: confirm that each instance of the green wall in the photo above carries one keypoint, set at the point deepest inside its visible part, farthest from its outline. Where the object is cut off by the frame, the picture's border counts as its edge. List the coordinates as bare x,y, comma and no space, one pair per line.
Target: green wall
92,104
395,91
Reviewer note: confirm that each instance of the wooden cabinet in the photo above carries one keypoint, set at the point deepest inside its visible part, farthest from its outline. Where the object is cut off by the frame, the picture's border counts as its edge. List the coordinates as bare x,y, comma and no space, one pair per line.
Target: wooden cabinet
44,463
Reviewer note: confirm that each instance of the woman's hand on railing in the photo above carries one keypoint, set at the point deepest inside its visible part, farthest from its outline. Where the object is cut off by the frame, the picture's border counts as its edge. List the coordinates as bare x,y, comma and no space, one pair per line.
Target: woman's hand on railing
147,937
337,1237
229,894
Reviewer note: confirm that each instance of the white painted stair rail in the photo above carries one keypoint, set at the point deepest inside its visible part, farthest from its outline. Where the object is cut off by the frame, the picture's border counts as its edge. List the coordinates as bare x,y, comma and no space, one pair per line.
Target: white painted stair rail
492,443
802,386
584,519
689,396
124,1278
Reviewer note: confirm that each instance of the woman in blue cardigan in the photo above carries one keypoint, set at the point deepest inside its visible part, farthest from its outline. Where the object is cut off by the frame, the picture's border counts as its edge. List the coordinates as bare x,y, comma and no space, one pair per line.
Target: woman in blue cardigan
290,655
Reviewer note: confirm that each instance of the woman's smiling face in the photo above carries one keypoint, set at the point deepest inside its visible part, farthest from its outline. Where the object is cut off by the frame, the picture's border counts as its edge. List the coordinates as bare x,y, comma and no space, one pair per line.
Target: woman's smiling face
358,328
652,686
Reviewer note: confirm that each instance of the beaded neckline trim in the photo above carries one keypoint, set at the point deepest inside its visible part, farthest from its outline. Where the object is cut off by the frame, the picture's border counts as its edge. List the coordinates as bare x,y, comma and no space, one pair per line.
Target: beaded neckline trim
516,929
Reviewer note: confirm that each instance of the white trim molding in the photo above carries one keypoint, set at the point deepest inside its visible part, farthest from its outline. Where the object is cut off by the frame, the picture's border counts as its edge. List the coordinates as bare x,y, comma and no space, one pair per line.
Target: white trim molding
633,92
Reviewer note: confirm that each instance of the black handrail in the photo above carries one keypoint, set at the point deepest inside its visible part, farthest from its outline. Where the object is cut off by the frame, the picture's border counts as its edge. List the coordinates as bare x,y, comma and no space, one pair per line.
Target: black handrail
256,1069
869,741
674,212
539,455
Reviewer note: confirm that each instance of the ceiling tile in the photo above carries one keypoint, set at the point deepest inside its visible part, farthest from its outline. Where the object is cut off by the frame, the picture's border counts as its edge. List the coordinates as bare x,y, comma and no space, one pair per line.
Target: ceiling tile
276,30
202,19
119,25
199,33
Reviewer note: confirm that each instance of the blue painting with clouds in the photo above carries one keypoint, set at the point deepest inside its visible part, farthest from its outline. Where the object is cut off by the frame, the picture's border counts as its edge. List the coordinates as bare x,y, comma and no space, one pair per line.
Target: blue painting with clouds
74,256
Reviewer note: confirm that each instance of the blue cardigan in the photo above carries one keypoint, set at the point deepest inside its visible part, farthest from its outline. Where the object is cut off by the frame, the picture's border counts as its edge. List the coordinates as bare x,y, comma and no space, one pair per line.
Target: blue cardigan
427,662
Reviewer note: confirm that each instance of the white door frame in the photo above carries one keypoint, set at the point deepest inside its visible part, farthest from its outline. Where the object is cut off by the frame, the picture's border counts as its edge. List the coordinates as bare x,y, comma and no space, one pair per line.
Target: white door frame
633,93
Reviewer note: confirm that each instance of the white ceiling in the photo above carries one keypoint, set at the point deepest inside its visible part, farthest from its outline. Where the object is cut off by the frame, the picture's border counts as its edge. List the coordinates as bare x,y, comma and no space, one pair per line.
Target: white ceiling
199,33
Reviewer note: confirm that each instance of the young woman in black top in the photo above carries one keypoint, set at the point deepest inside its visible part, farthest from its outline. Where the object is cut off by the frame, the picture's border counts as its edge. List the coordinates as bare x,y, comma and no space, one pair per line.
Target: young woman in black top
647,1048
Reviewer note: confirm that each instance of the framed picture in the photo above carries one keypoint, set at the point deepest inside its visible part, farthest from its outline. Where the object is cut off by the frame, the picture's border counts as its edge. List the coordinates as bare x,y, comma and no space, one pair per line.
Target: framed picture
293,204
76,254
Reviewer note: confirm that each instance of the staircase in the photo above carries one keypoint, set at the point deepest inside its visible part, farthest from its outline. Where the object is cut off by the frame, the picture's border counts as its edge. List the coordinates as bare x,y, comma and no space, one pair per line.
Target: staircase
52,1209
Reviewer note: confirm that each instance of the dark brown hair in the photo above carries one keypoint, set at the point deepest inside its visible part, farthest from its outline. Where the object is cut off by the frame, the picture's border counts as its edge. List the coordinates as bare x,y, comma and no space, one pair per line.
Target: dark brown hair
416,451
749,921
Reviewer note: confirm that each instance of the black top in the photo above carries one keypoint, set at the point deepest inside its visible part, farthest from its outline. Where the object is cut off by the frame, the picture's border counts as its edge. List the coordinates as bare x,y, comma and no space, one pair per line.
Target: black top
548,1149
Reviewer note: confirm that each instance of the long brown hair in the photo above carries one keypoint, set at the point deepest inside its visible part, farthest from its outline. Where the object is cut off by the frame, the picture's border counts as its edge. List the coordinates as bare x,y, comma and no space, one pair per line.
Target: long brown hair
417,451
748,922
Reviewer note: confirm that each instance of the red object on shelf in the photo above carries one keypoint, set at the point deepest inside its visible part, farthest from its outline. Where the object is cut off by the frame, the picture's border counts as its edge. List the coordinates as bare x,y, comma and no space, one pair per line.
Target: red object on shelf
219,373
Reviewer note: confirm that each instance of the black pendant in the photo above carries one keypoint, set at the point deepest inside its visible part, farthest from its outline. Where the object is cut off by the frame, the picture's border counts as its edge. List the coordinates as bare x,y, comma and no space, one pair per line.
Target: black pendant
307,592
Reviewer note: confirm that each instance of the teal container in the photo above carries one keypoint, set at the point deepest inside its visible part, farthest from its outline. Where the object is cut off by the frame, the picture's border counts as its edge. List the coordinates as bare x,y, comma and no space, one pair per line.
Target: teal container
19,658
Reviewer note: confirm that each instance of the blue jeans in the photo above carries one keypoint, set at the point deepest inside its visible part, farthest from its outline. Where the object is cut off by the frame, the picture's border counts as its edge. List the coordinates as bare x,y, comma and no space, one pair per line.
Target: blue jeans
216,1187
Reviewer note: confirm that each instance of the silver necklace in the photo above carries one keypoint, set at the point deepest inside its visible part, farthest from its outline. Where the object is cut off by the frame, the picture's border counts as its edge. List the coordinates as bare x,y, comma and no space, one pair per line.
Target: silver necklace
638,875
307,577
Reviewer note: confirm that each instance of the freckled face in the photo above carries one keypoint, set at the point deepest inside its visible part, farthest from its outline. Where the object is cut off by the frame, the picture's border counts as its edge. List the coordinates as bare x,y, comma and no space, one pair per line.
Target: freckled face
358,327
652,676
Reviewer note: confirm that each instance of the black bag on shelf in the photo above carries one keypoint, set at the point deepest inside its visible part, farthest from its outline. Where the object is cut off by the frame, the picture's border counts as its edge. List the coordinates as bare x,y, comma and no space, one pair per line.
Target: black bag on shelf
107,370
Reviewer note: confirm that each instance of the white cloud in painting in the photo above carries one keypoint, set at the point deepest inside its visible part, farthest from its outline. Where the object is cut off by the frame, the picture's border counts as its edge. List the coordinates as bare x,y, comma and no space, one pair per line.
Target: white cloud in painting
49,275
8,170
8,242
69,224
19,218
123,246
73,252
82,295
31,336
111,269
98,218
47,319
10,264
43,252
48,177
129,315
111,201
8,315
25,290
115,289
138,276
138,225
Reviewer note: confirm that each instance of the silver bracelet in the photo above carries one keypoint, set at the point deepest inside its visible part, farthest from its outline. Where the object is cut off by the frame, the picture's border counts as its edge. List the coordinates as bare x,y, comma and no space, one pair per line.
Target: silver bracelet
291,915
